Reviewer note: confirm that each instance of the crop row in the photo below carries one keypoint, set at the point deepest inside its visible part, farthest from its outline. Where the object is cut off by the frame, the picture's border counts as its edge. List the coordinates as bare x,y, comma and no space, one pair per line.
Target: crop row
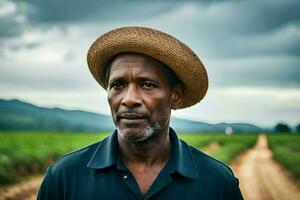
22,154
230,146
286,150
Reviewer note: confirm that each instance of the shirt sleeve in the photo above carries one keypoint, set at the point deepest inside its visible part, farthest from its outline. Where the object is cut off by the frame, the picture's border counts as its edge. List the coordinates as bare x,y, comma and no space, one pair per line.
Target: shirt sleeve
232,190
47,191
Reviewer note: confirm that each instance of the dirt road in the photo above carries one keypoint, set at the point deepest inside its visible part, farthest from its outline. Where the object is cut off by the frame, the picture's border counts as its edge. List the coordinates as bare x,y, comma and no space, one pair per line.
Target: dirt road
26,190
262,178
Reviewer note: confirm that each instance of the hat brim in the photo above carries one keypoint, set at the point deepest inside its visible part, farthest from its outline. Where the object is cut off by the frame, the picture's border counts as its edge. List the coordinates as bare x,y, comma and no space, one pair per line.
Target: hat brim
158,45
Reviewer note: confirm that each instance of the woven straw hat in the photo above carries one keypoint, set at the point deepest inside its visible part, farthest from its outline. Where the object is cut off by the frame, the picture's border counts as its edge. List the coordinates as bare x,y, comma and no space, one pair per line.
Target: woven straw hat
158,45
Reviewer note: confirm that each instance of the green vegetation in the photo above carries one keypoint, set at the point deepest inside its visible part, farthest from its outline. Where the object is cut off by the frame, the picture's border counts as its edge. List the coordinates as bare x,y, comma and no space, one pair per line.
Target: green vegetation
29,153
286,149
282,128
230,146
25,153
196,140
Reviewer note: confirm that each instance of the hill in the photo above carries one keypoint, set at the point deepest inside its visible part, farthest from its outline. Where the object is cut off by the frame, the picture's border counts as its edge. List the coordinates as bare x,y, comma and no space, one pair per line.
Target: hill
16,115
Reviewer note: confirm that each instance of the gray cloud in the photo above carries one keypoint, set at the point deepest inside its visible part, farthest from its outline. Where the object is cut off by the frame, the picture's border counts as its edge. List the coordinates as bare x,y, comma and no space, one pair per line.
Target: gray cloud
230,56
259,16
50,11
12,18
243,17
45,78
282,72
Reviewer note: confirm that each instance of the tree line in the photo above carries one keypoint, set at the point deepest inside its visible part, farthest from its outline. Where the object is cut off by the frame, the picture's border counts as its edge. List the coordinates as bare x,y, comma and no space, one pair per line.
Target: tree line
283,127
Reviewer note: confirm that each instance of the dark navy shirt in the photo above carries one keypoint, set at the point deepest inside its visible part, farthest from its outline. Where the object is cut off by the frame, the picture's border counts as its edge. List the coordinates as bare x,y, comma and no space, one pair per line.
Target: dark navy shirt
97,172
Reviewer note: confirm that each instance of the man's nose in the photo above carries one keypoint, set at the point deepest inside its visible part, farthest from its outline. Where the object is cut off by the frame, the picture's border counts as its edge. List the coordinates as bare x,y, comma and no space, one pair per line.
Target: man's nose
131,97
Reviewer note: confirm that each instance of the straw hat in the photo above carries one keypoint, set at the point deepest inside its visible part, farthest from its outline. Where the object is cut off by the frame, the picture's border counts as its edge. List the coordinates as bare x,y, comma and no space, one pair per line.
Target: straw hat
158,45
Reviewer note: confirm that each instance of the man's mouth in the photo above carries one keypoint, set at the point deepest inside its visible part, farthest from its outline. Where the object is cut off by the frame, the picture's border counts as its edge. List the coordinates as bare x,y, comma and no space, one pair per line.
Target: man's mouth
131,116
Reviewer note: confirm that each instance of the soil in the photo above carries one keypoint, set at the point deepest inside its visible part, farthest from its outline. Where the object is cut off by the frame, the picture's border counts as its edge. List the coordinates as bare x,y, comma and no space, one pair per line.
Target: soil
212,147
26,190
261,177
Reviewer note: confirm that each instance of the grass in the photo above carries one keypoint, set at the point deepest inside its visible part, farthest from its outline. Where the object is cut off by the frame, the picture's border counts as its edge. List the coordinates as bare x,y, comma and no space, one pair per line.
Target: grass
230,146
286,150
29,153
196,140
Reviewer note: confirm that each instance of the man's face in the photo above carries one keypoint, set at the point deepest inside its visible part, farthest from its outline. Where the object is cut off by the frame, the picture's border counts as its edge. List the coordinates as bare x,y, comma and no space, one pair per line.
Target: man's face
139,97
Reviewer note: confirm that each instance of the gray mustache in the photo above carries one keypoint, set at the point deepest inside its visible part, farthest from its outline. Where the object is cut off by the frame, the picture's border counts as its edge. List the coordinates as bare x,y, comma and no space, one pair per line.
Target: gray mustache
132,115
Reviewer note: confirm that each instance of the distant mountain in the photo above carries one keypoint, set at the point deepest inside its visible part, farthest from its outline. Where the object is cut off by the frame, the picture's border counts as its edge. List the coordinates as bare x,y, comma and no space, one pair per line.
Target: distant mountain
19,115
16,115
195,126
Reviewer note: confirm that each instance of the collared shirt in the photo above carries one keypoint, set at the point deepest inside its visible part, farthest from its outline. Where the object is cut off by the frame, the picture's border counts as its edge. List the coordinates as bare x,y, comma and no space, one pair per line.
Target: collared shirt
97,172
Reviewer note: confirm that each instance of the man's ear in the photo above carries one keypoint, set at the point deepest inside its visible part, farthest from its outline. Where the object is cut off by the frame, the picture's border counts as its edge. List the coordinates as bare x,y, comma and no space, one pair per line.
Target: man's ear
177,96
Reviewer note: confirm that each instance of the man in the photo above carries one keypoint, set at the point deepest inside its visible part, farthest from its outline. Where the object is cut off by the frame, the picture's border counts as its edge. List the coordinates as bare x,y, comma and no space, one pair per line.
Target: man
146,73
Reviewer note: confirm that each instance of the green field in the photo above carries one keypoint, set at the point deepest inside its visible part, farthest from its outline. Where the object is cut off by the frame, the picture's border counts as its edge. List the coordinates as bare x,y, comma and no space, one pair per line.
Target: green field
286,149
230,146
23,154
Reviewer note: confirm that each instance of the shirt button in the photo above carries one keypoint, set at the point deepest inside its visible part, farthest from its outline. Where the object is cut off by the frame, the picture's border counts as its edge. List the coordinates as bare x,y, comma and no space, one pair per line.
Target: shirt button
124,177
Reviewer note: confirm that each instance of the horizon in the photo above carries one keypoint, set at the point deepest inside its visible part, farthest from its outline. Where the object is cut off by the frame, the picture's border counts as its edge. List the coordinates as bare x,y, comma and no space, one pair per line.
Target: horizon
249,50
292,126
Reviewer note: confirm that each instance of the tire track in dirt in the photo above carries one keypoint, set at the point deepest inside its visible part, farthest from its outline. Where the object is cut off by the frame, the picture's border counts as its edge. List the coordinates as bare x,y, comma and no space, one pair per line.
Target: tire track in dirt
261,177
26,190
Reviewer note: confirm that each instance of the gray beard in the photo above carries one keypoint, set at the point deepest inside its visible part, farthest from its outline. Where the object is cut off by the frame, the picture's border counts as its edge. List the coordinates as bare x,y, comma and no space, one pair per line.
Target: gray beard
149,132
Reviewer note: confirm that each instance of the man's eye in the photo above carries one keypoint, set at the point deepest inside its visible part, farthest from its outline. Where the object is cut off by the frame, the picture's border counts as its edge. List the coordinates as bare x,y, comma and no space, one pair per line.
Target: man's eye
148,85
117,85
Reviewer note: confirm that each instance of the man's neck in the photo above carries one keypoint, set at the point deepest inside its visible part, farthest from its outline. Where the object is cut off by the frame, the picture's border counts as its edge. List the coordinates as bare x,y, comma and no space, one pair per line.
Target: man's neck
154,151
145,160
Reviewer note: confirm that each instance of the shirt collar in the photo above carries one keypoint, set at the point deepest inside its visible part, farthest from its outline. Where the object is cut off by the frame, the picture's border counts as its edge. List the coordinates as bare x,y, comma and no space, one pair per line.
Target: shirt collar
106,155
182,157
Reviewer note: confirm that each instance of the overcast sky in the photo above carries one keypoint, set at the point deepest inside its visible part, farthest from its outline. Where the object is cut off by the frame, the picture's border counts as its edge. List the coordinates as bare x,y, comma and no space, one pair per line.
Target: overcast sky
250,49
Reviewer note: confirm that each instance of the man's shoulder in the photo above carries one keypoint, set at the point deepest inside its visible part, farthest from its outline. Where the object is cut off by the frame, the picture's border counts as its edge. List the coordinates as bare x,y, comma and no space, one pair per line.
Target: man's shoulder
76,159
209,165
215,175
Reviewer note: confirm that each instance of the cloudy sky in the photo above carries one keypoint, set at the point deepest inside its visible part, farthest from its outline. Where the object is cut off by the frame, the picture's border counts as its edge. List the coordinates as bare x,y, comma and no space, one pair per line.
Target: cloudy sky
250,49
